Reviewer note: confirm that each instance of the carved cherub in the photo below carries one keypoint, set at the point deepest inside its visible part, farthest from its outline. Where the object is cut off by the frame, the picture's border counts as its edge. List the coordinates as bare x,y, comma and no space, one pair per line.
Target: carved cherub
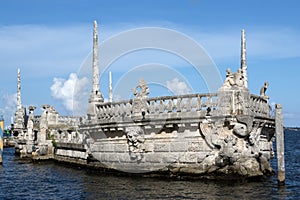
234,79
239,79
144,89
229,81
140,104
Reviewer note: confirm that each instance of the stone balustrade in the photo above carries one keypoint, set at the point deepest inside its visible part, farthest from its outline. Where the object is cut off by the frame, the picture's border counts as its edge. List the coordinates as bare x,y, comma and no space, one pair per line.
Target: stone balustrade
259,106
182,103
68,136
69,120
183,106
162,107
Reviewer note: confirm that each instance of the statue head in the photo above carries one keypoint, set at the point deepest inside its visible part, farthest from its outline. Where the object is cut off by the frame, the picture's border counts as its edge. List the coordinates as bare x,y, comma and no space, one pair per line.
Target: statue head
228,71
266,84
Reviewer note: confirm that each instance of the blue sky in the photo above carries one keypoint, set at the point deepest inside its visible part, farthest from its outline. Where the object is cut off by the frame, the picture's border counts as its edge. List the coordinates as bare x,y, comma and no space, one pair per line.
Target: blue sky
51,42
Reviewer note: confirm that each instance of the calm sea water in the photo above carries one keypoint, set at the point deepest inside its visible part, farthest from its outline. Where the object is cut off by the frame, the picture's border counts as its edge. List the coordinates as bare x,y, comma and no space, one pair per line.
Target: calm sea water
21,179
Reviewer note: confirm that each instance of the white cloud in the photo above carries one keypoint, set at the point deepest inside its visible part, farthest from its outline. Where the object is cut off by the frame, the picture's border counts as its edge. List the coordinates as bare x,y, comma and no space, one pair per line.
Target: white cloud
9,102
71,92
178,87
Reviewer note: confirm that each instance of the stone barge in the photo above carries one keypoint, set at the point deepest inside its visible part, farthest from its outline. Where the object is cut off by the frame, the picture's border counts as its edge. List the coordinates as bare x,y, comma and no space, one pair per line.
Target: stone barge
227,133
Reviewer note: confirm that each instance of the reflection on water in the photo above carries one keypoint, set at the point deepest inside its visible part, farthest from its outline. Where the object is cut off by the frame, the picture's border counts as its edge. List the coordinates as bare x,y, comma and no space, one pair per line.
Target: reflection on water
25,180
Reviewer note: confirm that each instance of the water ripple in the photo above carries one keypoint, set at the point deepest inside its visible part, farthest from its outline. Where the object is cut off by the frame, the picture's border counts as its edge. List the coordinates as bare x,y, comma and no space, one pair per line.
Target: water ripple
21,179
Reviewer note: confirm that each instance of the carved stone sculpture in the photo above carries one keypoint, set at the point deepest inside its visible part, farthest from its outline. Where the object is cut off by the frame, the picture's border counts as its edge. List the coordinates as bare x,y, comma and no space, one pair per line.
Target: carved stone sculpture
239,79
263,90
140,104
30,123
135,139
229,81
234,79
43,124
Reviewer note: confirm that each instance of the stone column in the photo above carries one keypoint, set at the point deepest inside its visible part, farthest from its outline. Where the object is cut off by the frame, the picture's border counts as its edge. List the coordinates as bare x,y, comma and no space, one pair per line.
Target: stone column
280,144
1,145
43,127
243,59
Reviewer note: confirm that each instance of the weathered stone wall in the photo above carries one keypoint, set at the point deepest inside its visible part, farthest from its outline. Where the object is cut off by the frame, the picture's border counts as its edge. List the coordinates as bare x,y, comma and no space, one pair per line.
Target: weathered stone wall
156,152
71,152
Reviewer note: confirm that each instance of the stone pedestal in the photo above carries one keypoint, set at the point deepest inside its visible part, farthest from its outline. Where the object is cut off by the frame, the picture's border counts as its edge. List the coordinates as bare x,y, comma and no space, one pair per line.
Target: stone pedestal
42,137
233,101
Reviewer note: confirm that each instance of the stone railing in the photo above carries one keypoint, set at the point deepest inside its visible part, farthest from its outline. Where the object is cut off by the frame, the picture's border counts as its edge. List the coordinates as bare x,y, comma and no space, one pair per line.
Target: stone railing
68,136
194,105
182,103
157,106
259,106
69,120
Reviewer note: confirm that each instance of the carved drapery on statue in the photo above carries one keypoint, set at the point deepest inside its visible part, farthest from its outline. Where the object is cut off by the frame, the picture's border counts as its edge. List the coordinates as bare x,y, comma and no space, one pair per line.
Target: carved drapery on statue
140,105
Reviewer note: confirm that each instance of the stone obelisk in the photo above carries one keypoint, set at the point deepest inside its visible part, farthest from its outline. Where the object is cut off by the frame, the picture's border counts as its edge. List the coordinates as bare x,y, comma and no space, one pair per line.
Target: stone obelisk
243,58
95,96
19,104
110,87
19,120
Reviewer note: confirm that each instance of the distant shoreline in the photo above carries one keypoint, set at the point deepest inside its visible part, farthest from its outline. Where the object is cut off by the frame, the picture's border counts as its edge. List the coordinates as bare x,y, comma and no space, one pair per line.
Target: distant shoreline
292,128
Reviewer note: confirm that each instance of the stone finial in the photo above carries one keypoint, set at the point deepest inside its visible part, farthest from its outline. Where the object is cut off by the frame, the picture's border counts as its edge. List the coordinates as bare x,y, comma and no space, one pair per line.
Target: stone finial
243,59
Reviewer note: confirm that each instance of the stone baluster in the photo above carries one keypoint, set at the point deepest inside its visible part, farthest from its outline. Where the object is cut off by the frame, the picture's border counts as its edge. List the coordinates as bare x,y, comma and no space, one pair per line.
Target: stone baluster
151,107
199,106
193,104
128,109
188,105
122,110
179,100
161,106
170,105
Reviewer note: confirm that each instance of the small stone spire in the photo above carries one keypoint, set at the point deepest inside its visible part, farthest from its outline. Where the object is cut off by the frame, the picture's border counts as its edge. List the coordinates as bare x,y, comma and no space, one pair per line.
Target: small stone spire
110,87
95,96
243,58
19,104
